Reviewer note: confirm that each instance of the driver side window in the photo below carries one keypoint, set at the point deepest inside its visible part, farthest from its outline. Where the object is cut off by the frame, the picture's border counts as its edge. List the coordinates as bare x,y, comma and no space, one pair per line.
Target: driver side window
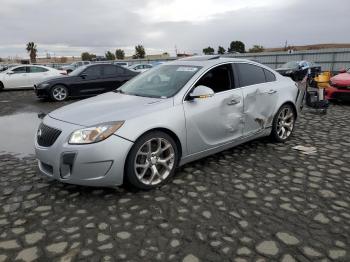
20,70
219,78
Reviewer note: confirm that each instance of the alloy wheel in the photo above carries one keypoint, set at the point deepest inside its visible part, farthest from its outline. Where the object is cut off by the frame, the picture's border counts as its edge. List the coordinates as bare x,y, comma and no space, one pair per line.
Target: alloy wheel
154,161
285,123
59,93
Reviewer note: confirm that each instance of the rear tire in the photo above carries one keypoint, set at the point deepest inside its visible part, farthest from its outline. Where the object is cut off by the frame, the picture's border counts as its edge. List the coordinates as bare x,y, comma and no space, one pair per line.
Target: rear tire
59,93
152,161
1,86
283,123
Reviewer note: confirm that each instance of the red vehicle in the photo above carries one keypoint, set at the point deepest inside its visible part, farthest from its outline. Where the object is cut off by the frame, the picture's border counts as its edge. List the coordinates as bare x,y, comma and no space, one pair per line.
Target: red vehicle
339,88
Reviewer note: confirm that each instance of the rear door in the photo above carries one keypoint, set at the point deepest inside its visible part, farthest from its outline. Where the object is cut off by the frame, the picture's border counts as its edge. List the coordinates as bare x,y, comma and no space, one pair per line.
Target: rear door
260,94
214,121
37,74
113,76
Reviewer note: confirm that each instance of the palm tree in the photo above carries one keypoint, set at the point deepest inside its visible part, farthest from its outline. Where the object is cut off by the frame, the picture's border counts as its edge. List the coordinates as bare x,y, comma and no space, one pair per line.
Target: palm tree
31,49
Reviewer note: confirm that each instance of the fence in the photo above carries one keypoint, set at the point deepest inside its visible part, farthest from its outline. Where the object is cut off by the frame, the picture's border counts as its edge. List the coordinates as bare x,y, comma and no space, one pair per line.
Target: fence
332,59
329,59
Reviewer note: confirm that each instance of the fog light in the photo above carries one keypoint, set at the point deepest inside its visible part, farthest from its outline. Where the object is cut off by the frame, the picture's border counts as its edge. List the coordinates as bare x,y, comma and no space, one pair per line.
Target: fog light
67,162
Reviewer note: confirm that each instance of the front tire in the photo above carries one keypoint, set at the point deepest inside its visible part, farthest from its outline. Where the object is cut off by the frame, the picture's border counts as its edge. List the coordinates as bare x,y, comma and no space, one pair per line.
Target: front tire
59,93
151,161
1,86
283,123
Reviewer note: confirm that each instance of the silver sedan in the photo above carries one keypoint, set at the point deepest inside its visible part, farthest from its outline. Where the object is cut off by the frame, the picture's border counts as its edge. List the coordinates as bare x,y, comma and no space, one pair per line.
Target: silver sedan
168,116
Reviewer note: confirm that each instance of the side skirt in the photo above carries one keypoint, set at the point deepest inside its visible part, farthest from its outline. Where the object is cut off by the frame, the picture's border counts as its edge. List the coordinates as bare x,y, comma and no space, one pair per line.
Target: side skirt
211,151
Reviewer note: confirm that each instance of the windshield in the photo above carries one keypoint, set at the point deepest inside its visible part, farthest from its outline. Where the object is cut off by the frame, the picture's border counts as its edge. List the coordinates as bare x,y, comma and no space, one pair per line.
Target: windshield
77,71
163,81
291,64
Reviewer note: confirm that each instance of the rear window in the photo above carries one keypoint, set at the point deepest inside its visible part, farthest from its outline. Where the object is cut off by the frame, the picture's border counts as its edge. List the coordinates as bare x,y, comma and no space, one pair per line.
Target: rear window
270,77
111,70
93,71
37,69
250,74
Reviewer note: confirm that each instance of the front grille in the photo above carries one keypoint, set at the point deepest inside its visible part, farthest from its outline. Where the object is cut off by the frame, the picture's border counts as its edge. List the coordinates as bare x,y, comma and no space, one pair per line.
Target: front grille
46,135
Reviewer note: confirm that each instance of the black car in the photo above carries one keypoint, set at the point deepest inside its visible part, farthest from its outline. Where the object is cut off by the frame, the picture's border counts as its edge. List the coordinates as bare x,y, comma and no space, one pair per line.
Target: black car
298,69
84,81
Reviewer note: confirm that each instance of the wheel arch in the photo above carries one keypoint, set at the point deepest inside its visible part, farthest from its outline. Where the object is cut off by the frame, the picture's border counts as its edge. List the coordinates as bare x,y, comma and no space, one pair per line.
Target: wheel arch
293,107
60,84
162,129
168,132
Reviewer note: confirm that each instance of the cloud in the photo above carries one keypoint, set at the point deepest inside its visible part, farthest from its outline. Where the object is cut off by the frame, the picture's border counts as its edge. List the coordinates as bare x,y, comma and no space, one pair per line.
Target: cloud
68,27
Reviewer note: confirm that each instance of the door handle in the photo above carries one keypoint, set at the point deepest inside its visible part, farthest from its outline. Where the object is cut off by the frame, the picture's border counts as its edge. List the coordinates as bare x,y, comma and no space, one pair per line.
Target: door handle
271,91
234,101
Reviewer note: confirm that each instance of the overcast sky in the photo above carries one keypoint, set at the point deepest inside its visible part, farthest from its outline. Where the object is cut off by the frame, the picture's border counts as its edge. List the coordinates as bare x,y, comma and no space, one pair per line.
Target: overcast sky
69,27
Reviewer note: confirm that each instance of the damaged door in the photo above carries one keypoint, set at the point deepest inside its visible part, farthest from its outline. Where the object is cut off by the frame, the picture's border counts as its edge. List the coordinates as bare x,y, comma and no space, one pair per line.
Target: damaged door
260,92
213,121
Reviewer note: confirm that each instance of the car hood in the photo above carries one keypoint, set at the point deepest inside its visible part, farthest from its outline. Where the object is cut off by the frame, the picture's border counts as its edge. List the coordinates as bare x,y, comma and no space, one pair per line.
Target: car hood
109,107
342,79
59,77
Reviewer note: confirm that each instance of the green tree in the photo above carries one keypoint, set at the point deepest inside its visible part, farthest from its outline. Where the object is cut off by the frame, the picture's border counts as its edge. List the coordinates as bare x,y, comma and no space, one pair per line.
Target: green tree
221,50
236,46
32,50
120,54
109,55
208,50
256,49
85,56
139,52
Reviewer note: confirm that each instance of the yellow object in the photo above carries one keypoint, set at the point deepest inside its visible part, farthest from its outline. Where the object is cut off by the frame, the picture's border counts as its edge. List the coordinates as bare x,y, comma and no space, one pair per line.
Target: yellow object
323,79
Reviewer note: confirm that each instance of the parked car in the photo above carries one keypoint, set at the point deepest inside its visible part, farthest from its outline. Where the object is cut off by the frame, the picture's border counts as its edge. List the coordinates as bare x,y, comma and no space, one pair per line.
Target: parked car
339,88
140,67
75,65
4,67
123,64
298,69
86,80
141,132
25,76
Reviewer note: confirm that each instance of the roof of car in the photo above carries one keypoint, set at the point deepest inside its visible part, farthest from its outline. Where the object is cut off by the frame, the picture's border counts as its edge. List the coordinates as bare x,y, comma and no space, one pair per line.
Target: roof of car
208,60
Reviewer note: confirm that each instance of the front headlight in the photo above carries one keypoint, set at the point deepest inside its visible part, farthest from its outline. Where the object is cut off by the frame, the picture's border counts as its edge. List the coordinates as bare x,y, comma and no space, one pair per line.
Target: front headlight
95,133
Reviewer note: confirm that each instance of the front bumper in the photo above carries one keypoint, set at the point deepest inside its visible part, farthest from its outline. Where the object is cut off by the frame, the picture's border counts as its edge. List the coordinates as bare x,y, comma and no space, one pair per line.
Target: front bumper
41,92
98,164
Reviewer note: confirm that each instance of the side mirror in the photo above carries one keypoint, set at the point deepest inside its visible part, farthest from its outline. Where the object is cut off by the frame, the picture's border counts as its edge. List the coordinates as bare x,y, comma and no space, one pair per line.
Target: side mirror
202,92
83,75
10,73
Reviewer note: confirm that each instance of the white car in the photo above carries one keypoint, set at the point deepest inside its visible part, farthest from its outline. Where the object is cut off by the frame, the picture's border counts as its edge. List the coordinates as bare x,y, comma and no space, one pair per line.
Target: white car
70,68
123,64
24,76
140,67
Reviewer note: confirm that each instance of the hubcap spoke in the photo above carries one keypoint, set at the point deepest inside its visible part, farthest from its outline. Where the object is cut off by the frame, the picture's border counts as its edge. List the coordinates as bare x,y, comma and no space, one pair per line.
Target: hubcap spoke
285,123
59,93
